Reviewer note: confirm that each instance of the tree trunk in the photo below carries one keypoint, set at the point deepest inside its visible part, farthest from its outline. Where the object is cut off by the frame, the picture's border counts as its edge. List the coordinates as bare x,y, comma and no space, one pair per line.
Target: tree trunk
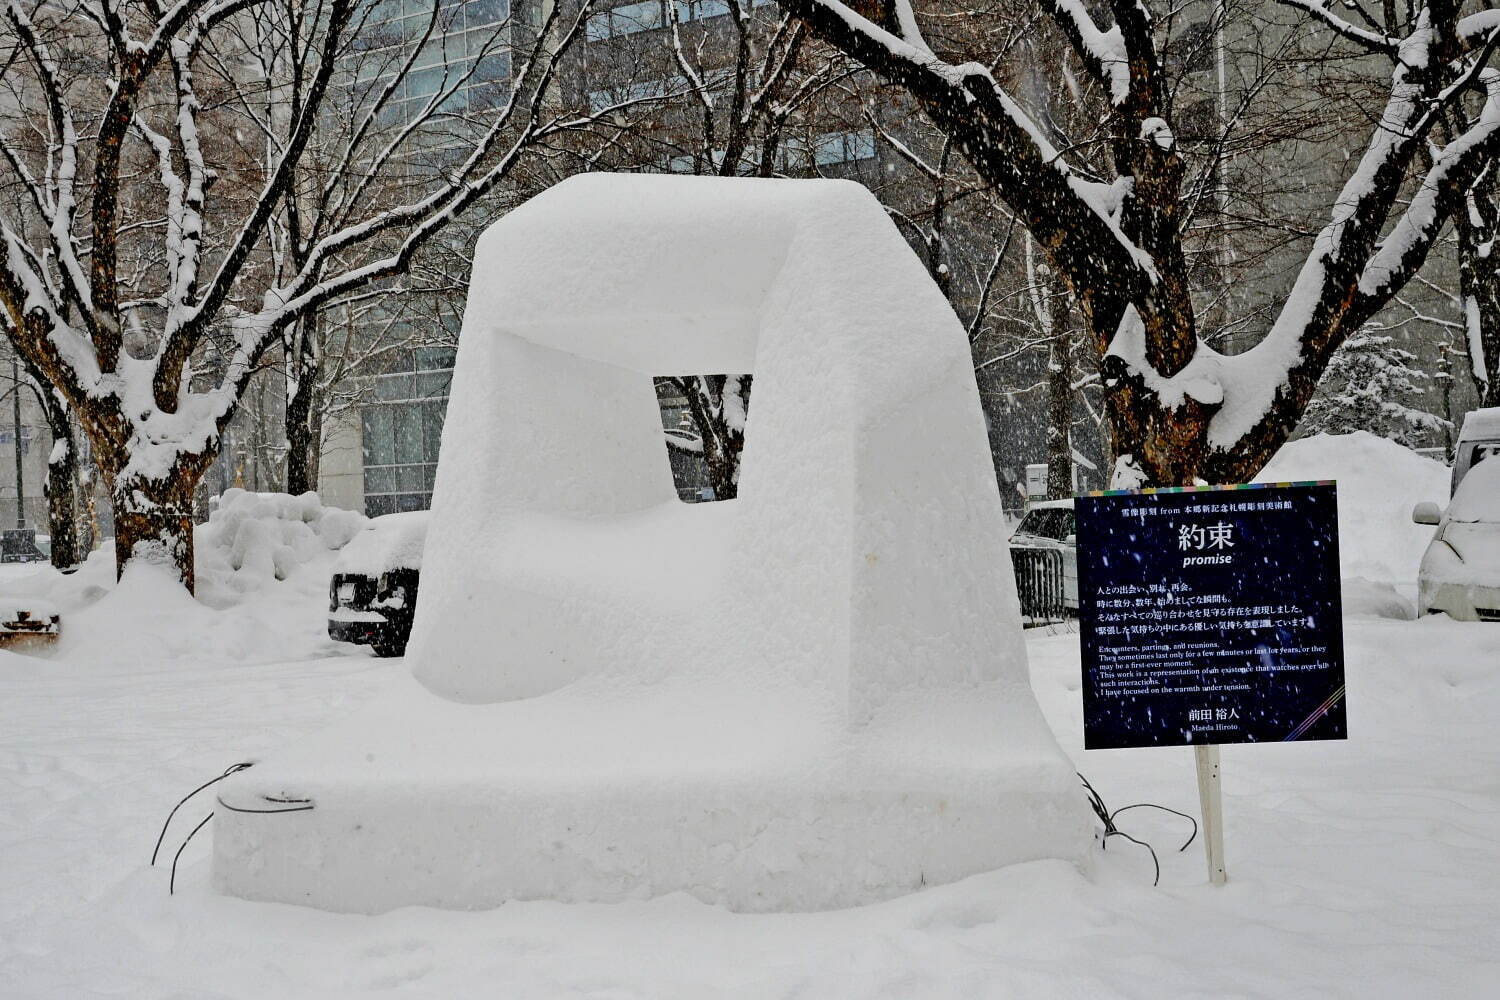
718,404
314,439
62,486
154,521
300,477
301,439
62,510
1059,394
1477,225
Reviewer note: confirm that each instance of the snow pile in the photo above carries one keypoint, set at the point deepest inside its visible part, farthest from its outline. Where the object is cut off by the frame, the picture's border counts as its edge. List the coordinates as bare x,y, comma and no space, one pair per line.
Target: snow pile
263,563
814,695
149,618
69,592
254,540
391,541
1379,481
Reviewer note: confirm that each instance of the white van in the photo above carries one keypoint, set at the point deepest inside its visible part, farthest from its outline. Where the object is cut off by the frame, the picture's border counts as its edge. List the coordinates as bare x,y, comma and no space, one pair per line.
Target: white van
1477,440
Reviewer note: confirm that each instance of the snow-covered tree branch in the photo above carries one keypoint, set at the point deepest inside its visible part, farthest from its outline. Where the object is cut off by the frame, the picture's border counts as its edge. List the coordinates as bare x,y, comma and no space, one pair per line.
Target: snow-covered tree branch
1179,410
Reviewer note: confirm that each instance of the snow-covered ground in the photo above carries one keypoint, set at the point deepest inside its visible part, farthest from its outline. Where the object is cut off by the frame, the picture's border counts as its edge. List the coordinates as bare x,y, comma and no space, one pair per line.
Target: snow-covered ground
1358,869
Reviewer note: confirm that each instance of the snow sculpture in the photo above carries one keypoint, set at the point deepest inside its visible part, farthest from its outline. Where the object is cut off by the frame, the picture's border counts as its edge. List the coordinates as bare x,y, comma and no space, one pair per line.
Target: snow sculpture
812,696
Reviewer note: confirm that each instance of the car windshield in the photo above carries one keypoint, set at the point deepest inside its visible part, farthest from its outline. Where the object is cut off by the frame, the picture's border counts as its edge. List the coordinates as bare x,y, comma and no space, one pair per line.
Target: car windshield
1482,450
1047,522
1478,496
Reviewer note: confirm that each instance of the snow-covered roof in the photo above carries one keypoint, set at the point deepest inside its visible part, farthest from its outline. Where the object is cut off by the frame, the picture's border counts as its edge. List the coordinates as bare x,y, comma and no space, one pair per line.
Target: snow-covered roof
392,541
1481,425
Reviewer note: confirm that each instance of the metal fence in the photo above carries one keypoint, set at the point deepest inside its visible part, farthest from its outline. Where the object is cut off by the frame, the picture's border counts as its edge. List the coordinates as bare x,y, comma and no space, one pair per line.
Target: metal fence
1039,583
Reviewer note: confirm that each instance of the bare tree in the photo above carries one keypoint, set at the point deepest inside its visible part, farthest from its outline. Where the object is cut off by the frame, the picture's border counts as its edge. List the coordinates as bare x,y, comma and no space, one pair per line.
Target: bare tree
1180,411
122,347
463,79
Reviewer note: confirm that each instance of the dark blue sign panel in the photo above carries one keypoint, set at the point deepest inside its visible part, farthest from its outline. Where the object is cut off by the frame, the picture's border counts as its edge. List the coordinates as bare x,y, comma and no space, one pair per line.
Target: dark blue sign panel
1210,615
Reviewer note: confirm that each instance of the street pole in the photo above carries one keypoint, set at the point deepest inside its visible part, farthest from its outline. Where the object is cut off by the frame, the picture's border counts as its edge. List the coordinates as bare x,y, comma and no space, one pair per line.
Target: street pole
15,392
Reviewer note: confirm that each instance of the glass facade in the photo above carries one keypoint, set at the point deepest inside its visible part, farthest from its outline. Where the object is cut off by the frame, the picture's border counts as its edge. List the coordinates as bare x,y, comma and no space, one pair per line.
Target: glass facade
403,430
466,55
457,53
647,15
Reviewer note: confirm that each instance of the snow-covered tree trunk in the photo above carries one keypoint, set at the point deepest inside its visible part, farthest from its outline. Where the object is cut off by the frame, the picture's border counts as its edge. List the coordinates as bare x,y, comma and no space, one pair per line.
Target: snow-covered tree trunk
62,504
62,482
1060,393
1179,411
1477,226
154,515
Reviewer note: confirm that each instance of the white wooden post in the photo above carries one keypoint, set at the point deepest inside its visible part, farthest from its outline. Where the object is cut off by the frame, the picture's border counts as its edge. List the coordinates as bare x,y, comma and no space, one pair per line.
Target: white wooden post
1211,803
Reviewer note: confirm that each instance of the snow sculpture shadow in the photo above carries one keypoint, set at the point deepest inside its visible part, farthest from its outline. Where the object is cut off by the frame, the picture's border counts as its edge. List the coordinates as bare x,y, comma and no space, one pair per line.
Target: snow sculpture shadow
812,696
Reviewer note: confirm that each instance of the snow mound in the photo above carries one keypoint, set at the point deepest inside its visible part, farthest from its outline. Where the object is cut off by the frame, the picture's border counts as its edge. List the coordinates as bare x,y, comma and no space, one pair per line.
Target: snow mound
147,617
812,696
69,592
1367,598
1379,481
254,540
263,562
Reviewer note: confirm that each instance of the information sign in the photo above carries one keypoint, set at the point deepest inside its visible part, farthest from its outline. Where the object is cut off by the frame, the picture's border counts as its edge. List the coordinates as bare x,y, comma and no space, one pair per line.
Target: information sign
1210,615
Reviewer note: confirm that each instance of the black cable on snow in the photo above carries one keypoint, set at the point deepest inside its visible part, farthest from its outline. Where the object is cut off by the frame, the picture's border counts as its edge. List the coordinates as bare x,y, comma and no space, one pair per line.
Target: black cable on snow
233,769
290,805
282,805
1111,830
172,883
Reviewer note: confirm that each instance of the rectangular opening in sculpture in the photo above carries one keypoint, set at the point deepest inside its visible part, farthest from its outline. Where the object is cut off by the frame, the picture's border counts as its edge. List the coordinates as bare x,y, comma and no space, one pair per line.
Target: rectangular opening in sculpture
703,419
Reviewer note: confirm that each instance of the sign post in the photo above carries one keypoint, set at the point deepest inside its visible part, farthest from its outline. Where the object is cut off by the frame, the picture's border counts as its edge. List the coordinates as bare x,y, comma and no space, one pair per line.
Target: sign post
1211,805
1210,615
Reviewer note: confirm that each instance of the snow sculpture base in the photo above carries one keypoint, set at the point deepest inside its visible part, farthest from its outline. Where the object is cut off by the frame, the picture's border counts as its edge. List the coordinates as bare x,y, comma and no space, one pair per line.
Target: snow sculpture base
469,806
812,696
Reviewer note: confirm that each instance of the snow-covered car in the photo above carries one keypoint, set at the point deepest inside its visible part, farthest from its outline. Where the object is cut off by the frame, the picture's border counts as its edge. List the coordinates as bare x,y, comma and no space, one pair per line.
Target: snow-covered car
1478,439
1049,524
373,594
1460,571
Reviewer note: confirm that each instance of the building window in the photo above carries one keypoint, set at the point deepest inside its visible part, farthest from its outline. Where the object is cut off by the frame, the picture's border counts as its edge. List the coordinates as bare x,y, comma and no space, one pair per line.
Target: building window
624,20
469,43
652,14
403,431
641,90
701,10
827,149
